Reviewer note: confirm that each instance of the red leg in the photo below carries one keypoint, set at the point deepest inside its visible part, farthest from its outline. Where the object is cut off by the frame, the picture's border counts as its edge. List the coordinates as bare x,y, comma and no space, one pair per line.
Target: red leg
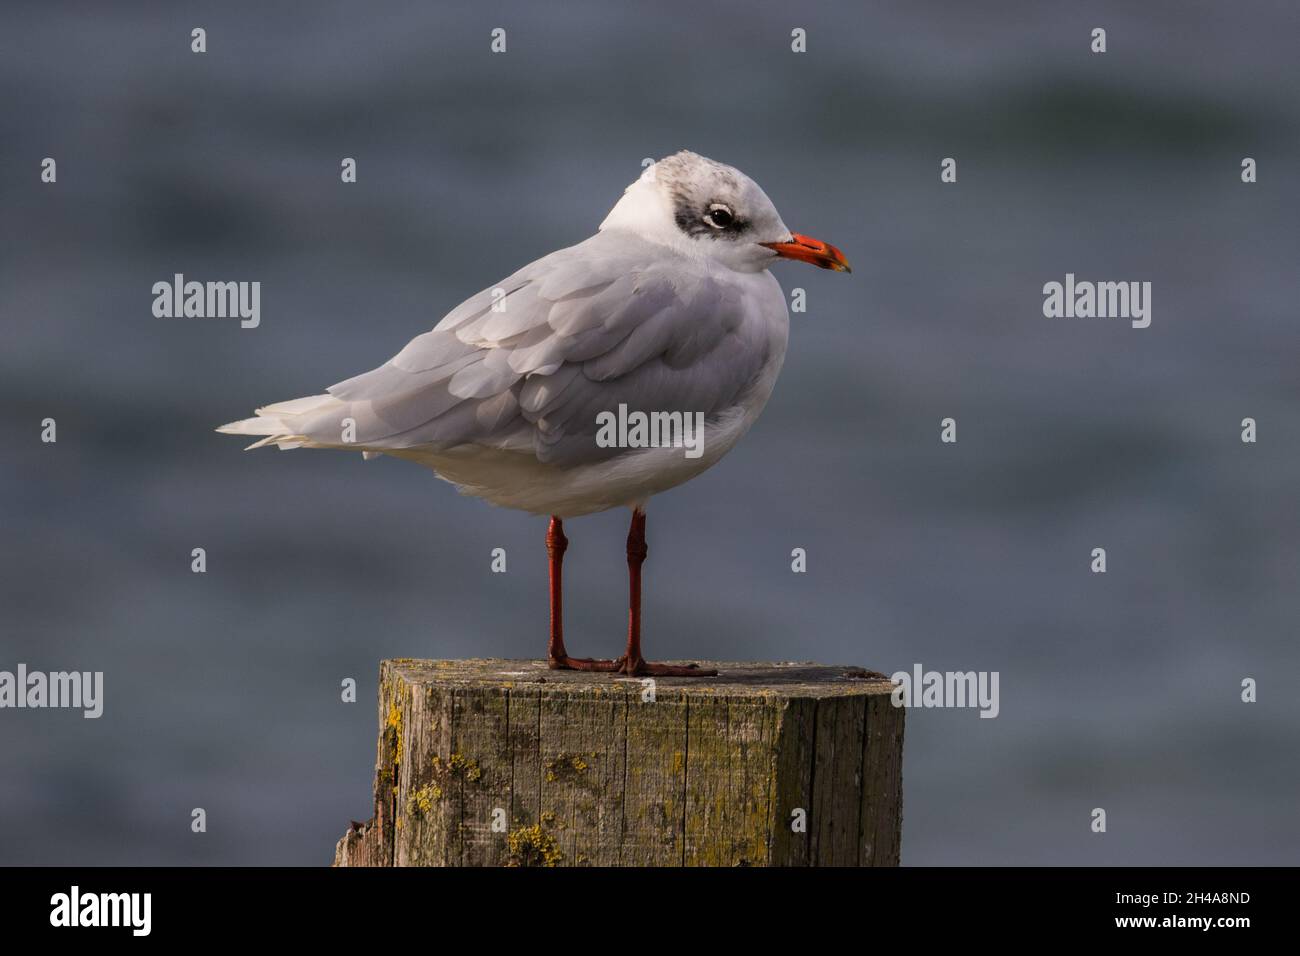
632,662
556,545
557,657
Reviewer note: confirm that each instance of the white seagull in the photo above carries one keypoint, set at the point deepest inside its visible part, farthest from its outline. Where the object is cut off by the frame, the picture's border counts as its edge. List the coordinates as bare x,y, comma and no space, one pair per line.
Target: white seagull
668,308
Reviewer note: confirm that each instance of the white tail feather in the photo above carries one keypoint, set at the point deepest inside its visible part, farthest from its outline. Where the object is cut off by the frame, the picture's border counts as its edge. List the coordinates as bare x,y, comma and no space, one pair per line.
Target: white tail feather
276,422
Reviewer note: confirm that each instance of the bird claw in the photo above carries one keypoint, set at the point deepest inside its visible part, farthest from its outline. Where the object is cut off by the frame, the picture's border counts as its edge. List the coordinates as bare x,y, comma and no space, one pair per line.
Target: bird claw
643,668
636,668
566,663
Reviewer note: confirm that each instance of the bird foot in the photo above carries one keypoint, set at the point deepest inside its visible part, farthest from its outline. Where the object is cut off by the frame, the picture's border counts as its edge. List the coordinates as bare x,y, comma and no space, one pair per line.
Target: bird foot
643,668
637,667
566,663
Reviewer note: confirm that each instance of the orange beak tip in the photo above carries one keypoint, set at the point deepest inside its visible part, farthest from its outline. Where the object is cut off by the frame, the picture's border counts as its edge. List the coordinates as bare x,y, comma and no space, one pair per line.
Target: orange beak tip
807,249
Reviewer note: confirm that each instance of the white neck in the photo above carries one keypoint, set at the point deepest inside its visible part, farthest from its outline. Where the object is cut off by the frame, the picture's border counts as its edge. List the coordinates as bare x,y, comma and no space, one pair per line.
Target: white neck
645,211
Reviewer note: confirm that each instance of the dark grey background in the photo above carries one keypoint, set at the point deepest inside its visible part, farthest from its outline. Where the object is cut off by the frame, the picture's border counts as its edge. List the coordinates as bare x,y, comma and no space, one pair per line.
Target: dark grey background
1118,690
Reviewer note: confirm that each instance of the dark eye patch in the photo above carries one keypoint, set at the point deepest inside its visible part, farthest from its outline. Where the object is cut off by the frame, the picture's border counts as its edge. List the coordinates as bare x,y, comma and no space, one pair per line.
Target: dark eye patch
716,219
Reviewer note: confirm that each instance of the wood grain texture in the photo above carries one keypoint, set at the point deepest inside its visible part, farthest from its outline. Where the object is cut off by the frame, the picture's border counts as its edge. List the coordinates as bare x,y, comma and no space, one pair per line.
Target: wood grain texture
492,762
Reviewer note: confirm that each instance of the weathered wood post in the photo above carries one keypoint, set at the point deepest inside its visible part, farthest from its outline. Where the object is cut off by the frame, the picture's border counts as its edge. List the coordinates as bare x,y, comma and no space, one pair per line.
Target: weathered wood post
491,762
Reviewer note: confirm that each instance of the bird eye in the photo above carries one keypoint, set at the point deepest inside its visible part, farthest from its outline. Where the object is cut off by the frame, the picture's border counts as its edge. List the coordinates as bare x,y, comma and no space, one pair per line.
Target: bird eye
719,216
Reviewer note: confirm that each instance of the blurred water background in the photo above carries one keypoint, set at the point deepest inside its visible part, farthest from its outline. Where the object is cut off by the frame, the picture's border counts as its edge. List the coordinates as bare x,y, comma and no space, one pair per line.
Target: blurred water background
222,689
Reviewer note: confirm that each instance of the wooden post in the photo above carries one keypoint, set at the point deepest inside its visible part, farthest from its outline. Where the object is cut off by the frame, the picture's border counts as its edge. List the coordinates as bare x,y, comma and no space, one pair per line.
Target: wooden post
493,762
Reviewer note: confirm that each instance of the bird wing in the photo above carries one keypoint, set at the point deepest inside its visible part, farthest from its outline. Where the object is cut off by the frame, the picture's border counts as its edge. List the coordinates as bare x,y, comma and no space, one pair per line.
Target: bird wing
528,364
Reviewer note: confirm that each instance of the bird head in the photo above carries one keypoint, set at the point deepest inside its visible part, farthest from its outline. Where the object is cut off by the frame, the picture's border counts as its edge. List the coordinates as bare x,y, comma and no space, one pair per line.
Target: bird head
708,209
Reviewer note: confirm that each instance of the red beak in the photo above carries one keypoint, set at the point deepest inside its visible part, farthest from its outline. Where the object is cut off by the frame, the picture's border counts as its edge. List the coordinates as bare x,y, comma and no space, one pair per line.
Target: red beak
808,249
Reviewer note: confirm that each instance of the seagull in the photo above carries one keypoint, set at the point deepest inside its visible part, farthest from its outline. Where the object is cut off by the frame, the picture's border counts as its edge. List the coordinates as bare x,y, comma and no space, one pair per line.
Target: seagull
669,308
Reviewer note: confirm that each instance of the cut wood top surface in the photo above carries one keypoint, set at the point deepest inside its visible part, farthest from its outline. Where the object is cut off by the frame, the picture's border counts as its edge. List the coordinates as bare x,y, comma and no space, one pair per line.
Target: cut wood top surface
734,679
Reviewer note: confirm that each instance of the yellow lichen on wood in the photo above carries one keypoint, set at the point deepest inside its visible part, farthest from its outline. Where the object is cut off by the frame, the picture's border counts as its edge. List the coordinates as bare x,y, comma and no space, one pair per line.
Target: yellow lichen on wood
567,764
422,800
394,727
533,846
457,765
465,766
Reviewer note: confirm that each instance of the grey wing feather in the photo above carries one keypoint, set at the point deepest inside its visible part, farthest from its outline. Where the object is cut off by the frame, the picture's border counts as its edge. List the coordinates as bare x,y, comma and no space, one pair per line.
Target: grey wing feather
607,322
